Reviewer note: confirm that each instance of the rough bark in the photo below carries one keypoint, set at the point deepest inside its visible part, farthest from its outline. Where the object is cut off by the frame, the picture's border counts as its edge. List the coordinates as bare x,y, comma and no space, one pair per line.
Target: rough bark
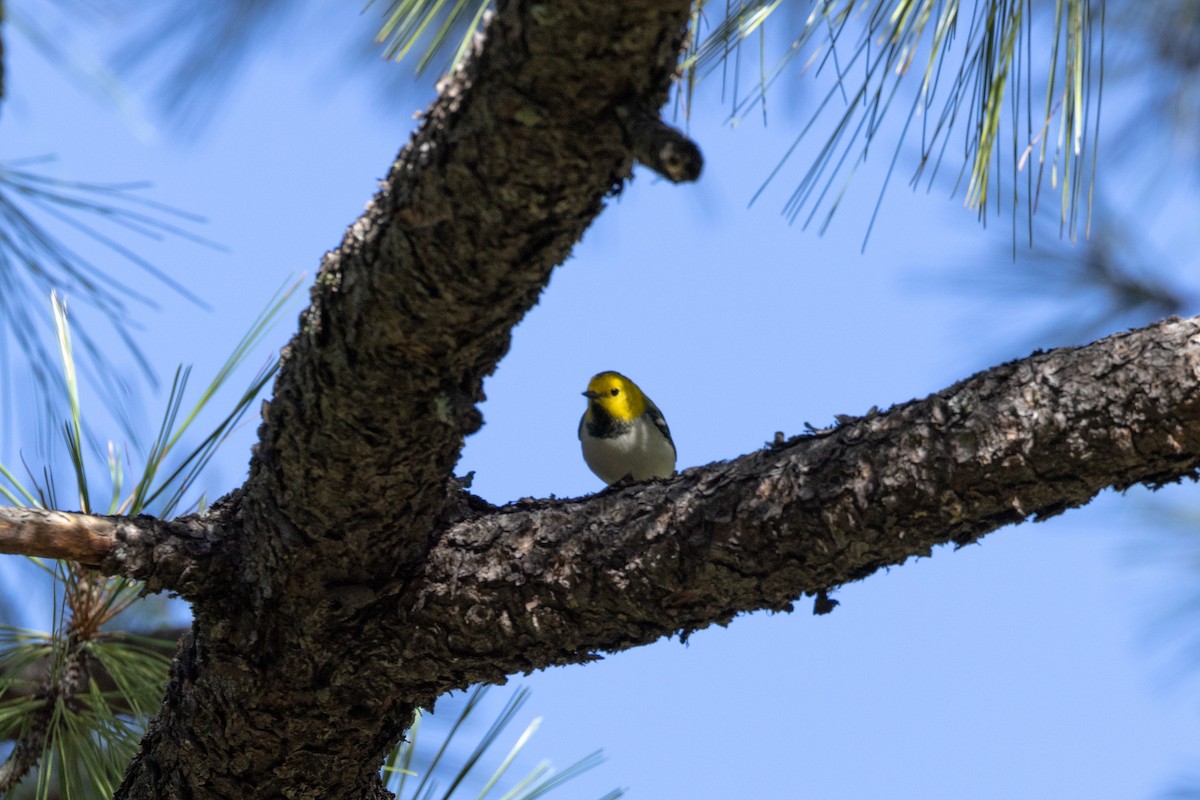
543,583
539,583
279,691
163,554
352,579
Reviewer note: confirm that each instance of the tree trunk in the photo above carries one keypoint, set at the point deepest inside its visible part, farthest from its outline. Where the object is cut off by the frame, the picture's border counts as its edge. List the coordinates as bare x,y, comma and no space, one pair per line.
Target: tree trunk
305,664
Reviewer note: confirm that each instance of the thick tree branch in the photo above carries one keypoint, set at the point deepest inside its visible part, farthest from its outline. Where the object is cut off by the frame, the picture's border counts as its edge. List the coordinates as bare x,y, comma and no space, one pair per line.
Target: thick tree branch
415,308
531,585
276,692
351,587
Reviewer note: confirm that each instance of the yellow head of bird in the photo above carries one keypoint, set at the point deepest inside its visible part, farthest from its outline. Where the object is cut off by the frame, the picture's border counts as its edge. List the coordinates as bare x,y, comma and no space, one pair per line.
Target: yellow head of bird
618,396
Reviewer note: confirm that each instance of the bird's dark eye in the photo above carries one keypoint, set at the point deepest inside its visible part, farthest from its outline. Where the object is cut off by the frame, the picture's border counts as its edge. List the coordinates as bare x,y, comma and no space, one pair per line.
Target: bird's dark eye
615,391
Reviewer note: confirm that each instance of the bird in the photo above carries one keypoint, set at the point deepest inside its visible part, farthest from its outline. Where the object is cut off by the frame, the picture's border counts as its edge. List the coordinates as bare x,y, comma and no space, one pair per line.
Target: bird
622,432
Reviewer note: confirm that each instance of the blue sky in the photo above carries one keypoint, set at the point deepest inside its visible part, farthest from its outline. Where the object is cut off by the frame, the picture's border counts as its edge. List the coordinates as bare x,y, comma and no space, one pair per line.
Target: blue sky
1020,667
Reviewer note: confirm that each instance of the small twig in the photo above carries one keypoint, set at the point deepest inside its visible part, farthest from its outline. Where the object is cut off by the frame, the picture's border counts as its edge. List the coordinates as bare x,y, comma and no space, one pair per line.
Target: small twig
823,604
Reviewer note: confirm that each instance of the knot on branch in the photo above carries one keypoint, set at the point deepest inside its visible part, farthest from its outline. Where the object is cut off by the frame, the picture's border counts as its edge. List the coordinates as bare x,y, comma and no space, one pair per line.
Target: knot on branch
662,148
178,555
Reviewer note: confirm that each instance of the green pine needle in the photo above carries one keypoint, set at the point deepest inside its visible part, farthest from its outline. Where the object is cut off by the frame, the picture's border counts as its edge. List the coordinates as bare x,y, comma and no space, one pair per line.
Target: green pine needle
432,25
91,733
962,85
539,781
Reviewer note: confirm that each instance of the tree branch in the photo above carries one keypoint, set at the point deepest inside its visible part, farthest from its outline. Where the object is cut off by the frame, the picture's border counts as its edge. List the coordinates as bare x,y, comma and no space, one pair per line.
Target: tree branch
536,584
352,585
84,538
277,692
416,306
173,555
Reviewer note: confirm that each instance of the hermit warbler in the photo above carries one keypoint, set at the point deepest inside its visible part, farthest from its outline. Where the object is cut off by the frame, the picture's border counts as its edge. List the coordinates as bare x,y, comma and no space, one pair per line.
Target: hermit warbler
623,433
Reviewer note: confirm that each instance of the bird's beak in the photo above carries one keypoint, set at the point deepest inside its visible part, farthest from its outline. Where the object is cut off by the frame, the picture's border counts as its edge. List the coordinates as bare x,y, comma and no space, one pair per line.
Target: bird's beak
591,395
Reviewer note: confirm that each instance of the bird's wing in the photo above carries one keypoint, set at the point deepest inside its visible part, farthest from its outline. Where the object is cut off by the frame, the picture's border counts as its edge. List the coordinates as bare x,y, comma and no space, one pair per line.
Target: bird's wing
659,421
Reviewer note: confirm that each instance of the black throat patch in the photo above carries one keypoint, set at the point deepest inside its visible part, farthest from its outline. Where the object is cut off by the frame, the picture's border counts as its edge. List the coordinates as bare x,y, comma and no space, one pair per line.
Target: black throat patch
603,425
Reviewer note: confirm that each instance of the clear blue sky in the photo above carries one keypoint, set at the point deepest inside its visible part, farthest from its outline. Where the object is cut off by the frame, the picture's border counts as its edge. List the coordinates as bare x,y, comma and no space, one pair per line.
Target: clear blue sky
1021,667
